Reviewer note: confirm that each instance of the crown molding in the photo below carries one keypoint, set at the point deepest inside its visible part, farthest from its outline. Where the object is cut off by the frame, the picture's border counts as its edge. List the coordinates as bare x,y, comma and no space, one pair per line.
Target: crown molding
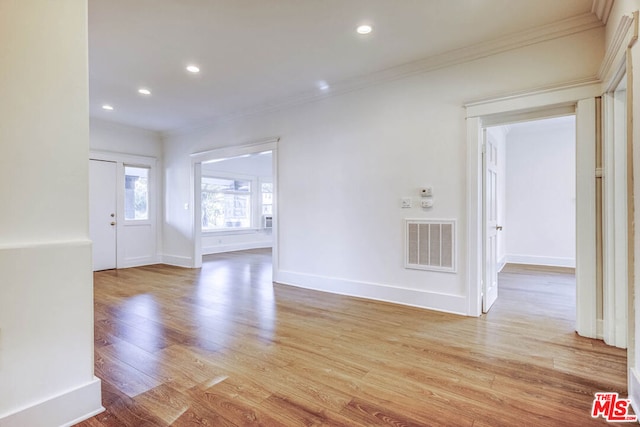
527,37
625,34
602,9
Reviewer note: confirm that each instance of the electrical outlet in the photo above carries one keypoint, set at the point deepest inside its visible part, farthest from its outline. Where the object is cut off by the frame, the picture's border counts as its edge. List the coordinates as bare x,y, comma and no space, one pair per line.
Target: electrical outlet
426,191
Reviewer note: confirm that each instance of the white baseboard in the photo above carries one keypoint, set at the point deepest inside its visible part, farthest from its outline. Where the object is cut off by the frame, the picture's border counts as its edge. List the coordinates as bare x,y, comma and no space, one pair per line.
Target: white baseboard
177,260
64,410
501,263
217,249
541,260
413,297
138,261
634,390
600,329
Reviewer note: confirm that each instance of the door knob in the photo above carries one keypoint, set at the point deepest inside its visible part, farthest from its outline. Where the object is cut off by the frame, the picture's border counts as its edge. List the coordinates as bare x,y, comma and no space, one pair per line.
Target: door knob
113,223
499,227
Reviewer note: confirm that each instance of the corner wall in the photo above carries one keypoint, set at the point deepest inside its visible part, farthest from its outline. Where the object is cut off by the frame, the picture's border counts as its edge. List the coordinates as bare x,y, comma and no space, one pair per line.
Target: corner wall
46,289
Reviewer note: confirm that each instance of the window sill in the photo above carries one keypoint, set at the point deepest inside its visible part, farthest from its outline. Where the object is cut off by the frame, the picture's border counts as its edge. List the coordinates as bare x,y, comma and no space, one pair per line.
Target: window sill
230,232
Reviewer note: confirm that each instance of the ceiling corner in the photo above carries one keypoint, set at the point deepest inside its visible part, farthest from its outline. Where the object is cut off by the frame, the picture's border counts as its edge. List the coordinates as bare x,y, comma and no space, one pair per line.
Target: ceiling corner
602,9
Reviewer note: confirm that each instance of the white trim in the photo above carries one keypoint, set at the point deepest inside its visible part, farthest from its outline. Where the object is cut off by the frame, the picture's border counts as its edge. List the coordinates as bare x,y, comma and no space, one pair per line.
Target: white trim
586,299
541,260
217,249
177,260
139,261
471,52
616,51
501,263
602,9
550,97
615,212
65,409
474,217
600,329
256,146
115,156
456,304
634,389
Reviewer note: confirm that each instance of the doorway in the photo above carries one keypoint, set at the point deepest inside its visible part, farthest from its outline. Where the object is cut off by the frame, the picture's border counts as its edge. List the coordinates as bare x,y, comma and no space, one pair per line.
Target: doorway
227,230
530,199
491,113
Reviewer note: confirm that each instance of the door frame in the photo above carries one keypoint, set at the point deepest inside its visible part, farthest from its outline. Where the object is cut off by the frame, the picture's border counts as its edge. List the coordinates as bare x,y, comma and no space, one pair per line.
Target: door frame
267,144
122,160
578,99
618,244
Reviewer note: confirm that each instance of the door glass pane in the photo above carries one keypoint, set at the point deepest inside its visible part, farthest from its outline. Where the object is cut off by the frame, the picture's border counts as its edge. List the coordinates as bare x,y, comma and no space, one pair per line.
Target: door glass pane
136,193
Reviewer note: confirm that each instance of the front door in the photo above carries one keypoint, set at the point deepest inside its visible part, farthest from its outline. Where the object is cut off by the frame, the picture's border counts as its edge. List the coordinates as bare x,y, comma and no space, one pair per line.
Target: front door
102,218
490,188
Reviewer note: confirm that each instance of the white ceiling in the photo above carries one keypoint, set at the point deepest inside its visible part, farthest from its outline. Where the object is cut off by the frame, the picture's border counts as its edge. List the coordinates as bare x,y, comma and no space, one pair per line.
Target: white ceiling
256,53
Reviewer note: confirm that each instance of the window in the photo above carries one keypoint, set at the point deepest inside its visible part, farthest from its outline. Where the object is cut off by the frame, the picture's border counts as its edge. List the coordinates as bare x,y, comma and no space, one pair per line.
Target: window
266,191
226,203
136,193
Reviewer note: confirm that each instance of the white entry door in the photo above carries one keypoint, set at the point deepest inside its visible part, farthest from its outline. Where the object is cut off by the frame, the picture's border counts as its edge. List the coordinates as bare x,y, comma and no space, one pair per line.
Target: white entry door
102,218
490,189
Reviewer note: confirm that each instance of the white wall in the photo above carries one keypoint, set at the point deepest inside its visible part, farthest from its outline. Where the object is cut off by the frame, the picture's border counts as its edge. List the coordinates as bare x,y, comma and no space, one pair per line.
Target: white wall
46,290
346,161
258,167
115,137
540,192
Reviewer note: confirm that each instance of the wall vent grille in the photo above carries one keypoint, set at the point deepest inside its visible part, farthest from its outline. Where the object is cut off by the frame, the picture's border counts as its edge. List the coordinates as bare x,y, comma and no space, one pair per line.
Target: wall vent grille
430,244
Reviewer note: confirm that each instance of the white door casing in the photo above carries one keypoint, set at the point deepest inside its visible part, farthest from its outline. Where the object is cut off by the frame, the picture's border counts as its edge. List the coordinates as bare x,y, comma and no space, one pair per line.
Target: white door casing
102,218
490,211
538,104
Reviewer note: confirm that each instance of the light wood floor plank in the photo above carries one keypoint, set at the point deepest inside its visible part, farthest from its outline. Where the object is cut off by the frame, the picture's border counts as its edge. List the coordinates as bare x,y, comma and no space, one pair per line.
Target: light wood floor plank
223,346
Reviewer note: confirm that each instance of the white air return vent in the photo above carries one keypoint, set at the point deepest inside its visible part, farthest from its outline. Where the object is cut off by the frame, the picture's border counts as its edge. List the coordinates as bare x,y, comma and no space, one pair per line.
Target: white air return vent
430,244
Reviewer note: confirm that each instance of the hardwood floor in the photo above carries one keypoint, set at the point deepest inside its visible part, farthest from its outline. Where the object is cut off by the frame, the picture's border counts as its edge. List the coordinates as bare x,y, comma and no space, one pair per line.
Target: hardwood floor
222,346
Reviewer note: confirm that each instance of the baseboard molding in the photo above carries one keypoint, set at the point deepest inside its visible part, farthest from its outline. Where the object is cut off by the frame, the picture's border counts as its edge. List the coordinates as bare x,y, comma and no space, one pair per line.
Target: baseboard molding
64,410
138,261
217,249
541,260
455,304
177,260
600,329
634,390
501,263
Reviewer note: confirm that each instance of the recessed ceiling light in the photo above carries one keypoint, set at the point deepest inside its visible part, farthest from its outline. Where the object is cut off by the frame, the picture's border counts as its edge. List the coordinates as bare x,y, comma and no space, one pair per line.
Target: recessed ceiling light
107,107
364,29
193,69
323,85
143,91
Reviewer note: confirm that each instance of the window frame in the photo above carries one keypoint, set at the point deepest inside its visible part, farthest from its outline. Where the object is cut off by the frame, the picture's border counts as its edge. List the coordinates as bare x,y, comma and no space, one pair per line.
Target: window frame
150,198
253,197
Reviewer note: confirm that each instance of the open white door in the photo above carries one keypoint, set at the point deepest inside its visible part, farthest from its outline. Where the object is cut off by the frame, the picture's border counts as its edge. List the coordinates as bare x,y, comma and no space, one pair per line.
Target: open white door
102,218
490,209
